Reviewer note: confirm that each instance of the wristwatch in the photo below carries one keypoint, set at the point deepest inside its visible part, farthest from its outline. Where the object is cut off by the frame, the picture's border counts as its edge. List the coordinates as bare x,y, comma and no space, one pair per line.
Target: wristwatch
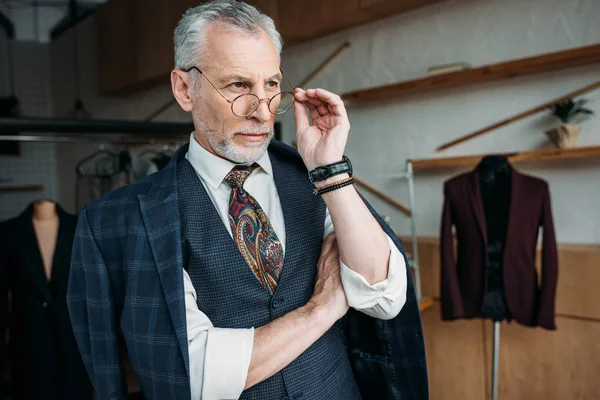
327,171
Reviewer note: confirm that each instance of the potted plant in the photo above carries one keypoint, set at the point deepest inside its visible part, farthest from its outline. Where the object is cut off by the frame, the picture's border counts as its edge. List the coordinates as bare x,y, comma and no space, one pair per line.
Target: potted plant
567,112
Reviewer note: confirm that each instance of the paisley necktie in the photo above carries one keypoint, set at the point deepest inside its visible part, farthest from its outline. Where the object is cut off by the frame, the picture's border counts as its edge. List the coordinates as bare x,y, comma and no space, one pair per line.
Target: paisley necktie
252,231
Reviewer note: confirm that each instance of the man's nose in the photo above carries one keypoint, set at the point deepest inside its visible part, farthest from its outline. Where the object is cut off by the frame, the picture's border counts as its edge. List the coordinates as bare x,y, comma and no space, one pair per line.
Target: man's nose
262,113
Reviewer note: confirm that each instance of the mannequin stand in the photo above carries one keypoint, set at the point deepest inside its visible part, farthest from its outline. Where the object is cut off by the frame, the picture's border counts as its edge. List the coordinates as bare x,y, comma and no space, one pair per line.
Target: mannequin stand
495,360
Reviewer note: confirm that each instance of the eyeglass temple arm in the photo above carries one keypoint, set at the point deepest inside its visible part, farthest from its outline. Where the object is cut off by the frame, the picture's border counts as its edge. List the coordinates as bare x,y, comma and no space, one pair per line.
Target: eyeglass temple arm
288,81
197,69
226,99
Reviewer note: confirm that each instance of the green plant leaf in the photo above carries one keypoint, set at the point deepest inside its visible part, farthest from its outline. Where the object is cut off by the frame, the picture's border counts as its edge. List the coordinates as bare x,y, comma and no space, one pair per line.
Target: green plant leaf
584,111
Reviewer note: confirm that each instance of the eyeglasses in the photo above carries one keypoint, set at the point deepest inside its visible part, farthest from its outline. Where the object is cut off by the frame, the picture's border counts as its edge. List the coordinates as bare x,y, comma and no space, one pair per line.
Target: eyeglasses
245,104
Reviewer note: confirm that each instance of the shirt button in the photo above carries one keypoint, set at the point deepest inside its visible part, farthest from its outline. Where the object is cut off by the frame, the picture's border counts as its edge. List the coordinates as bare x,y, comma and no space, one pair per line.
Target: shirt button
44,305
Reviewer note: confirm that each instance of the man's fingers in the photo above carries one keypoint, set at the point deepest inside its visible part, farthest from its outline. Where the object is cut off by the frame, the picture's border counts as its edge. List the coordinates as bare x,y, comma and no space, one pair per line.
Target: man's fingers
314,99
332,99
317,108
323,110
300,116
328,244
312,109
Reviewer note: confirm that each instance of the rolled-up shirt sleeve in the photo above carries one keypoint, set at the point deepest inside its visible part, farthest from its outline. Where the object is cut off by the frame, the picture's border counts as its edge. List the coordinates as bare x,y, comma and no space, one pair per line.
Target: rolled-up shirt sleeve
382,300
219,358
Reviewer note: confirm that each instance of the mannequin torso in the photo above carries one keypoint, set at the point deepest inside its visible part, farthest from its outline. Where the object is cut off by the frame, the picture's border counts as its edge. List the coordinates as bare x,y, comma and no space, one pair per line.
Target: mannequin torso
45,224
495,188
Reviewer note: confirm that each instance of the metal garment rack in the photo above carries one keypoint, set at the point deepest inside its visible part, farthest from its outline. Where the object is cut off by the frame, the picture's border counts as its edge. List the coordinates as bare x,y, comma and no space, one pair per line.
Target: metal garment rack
92,139
414,260
409,176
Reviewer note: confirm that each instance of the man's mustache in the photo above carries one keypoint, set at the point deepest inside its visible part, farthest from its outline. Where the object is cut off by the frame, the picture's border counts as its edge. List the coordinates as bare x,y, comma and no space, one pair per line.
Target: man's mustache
264,129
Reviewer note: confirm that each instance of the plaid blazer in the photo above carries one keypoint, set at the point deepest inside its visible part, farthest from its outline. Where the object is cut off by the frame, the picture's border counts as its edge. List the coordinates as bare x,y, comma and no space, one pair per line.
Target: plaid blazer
126,290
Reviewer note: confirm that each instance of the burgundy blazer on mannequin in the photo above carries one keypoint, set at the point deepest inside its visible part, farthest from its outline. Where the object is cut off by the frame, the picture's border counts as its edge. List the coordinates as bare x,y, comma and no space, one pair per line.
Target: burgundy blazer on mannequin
463,282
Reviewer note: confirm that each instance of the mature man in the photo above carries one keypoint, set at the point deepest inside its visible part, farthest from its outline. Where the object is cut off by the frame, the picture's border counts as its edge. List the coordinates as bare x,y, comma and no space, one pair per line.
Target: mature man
221,274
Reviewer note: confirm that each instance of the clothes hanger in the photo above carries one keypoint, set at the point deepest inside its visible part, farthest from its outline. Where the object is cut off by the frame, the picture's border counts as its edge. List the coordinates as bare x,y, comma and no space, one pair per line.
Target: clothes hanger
79,168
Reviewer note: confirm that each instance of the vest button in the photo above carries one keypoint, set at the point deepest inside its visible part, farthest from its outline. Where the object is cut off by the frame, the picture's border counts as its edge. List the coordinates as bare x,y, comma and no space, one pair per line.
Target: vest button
44,305
285,398
275,303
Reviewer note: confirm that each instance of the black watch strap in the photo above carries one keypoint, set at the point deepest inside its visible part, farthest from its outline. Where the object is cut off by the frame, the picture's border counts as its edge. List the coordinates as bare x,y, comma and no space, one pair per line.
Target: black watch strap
327,171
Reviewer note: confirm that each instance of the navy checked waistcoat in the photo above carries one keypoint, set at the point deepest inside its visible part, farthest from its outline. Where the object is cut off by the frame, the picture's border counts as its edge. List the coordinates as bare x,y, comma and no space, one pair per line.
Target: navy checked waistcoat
231,296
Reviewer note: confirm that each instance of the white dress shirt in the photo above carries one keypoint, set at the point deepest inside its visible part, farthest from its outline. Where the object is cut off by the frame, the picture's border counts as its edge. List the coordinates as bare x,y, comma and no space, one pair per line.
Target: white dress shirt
219,358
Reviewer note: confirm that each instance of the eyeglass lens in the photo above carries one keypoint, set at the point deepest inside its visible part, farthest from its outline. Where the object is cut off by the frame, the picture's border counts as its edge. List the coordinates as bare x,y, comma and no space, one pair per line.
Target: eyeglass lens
246,104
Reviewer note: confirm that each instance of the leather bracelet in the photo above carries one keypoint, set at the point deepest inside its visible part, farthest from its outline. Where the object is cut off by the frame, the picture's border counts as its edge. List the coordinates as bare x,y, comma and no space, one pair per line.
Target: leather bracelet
334,187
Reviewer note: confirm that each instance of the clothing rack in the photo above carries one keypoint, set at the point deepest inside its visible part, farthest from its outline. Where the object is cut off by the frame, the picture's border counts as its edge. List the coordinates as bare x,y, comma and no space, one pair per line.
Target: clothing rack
414,260
409,176
95,139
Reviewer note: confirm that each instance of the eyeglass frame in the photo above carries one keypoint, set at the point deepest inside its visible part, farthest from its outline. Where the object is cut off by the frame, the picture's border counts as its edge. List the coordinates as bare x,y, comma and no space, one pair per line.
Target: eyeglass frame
187,70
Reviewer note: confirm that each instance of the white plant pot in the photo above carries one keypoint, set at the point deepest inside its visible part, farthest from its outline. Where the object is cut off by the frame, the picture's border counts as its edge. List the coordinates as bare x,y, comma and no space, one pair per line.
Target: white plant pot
564,136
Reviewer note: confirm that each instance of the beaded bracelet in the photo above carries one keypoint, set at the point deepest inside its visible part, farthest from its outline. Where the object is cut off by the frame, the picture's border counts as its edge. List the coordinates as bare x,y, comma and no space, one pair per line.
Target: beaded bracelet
316,191
335,183
335,186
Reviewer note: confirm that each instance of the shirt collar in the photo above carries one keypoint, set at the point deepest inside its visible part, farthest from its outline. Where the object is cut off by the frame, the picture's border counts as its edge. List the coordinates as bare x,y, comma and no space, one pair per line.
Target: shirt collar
214,169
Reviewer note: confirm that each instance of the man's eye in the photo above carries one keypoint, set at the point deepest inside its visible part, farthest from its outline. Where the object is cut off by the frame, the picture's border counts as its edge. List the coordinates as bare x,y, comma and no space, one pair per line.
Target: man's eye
273,84
238,85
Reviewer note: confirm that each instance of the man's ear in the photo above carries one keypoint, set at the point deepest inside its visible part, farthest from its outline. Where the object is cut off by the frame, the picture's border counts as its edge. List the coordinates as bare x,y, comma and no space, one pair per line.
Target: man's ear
180,85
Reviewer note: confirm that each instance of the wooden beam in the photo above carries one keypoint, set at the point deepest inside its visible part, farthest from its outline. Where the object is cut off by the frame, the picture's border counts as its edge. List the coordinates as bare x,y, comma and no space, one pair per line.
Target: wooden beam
526,66
514,157
383,196
520,116
377,193
324,64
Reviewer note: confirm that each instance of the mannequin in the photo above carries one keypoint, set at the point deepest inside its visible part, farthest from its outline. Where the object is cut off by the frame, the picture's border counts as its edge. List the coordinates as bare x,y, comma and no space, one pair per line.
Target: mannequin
495,188
497,213
45,225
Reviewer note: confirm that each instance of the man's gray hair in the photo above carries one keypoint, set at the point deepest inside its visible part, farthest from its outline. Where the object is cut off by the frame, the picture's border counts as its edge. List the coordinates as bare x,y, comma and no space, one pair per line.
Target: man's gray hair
189,37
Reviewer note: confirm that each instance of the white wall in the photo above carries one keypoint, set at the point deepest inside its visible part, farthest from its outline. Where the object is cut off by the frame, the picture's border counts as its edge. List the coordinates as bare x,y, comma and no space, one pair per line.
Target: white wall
386,133
36,164
137,106
34,20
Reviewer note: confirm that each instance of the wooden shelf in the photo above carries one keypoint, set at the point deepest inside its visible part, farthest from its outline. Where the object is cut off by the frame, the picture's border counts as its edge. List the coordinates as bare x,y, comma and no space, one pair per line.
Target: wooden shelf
21,188
425,303
526,66
515,157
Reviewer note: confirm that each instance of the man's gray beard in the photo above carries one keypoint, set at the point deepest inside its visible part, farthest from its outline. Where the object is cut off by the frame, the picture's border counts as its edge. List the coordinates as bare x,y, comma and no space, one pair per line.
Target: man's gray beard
229,151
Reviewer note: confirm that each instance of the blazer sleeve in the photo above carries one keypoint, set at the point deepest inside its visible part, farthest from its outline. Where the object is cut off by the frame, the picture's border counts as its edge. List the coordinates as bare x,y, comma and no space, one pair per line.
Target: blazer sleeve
451,303
91,307
546,317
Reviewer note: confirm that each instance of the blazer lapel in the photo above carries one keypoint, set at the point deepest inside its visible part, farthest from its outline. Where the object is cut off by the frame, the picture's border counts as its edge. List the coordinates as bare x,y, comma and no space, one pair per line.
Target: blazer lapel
478,204
31,254
160,213
515,190
62,252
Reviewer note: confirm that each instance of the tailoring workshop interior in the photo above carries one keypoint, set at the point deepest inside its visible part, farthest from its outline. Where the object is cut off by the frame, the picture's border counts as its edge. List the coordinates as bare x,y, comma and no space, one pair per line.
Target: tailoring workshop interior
475,134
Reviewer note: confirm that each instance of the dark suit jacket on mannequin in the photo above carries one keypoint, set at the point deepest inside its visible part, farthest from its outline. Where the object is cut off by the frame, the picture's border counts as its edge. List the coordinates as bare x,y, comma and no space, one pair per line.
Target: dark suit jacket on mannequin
43,355
463,282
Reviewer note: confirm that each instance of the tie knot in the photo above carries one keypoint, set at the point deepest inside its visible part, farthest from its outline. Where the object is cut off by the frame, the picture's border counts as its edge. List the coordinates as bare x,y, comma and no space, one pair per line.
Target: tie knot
238,175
